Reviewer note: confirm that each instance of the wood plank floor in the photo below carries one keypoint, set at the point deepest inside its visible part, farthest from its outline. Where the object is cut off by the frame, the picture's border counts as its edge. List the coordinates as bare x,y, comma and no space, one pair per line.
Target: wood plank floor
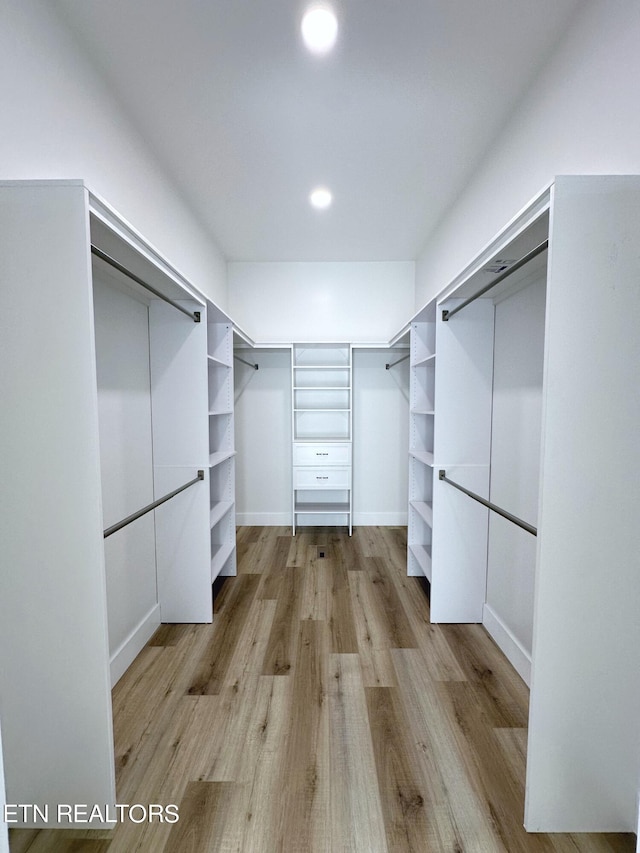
321,711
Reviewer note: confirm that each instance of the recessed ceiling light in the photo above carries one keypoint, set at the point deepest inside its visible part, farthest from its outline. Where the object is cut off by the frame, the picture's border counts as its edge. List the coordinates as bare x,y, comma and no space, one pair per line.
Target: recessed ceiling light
319,28
321,198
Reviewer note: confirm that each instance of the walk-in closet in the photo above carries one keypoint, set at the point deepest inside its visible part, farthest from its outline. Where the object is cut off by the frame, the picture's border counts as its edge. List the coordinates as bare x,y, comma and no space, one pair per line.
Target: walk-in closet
146,429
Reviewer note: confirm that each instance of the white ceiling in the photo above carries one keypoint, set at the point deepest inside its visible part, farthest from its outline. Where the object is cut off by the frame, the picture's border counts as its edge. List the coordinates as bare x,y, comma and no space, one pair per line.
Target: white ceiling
246,122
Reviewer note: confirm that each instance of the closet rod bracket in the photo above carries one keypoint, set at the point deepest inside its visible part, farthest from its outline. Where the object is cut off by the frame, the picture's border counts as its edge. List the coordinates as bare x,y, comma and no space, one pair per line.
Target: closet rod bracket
393,363
248,363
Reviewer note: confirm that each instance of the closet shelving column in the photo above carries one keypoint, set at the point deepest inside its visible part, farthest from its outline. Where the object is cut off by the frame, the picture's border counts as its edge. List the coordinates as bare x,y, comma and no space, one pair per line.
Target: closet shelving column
421,432
221,444
321,406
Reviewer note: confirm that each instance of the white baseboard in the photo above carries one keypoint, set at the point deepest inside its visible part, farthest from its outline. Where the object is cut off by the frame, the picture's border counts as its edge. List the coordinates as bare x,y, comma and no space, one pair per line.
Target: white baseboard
127,652
263,519
515,652
380,519
283,519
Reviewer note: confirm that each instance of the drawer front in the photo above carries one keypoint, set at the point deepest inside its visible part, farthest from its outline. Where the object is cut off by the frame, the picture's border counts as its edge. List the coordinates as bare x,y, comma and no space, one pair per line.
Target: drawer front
322,454
322,478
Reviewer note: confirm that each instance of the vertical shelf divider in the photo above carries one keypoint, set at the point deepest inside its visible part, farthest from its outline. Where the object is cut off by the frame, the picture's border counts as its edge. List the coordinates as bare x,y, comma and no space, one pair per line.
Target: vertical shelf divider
221,444
421,442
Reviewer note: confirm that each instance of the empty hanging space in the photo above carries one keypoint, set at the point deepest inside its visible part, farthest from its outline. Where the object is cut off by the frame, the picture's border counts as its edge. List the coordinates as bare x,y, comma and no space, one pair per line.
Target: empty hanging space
126,462
263,434
515,465
171,327
481,374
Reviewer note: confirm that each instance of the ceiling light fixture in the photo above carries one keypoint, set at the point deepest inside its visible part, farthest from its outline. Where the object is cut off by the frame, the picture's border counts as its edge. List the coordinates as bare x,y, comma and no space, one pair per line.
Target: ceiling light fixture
319,28
321,198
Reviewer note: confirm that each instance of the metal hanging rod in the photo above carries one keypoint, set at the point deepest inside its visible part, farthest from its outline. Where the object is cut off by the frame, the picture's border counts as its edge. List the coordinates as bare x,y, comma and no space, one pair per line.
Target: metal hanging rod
194,315
513,518
146,509
447,315
393,363
244,361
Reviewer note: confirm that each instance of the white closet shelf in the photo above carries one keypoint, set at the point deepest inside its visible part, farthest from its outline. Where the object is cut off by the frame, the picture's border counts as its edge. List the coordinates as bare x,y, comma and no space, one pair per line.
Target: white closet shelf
220,557
220,456
422,456
422,412
424,360
218,511
424,510
423,558
344,367
320,439
321,387
216,362
323,440
321,409
215,414
322,508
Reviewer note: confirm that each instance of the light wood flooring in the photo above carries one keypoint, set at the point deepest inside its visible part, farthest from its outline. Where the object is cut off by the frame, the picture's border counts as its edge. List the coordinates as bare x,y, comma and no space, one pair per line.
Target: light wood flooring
321,711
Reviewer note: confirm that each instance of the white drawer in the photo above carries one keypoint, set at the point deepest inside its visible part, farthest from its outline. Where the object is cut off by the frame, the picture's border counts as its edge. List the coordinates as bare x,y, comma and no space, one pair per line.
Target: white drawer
322,454
321,478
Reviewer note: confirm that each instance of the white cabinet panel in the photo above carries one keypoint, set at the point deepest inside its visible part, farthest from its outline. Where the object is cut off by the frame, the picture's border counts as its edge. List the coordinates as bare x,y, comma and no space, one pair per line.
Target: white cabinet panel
583,776
58,743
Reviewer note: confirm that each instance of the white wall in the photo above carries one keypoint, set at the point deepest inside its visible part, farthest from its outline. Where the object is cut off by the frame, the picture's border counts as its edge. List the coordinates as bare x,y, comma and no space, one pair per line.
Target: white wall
60,121
380,438
354,302
263,437
515,469
126,457
579,117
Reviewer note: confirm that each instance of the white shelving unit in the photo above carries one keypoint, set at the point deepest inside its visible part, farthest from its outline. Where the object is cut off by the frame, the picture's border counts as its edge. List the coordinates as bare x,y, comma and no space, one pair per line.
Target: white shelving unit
582,776
56,666
221,443
321,392
421,442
